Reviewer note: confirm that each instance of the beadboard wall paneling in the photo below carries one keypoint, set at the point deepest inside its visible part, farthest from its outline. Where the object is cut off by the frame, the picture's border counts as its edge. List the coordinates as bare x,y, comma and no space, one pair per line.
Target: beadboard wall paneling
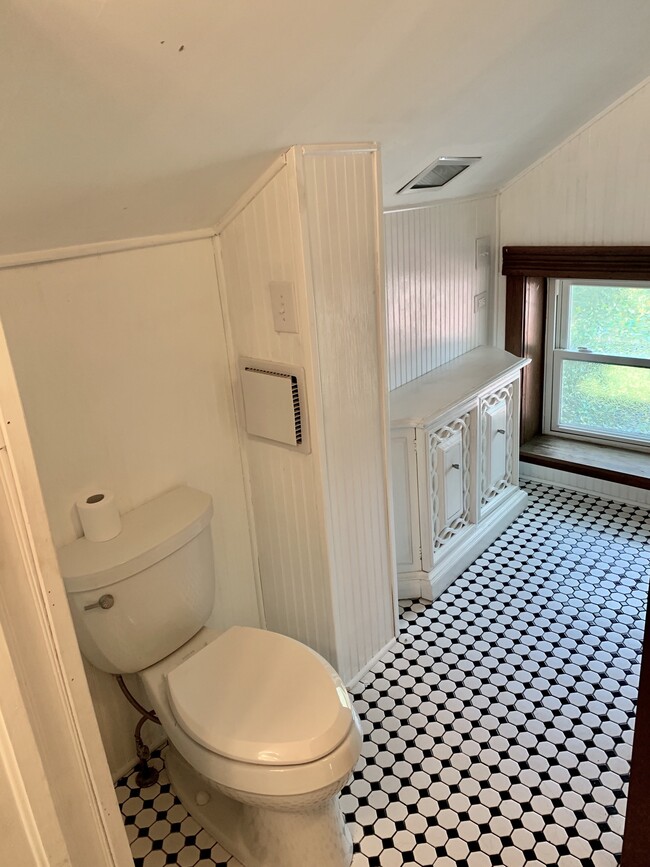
123,372
343,226
577,482
260,245
431,281
593,189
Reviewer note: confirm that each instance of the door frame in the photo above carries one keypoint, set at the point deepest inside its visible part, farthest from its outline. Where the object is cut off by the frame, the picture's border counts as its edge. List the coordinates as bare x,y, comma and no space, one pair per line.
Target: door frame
42,652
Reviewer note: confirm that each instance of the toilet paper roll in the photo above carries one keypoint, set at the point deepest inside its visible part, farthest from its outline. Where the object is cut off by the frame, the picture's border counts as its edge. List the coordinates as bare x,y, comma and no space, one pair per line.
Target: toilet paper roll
100,519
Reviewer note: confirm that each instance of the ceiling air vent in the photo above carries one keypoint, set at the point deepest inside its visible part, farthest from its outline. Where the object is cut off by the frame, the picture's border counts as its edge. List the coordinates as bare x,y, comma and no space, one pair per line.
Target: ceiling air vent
439,173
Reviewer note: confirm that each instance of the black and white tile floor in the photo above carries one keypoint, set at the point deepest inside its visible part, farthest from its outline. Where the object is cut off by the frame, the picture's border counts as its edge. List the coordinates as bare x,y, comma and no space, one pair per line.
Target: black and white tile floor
498,731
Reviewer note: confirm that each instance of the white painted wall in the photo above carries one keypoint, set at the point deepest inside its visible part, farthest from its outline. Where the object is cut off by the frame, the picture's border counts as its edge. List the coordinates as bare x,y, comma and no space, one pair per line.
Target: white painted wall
592,189
431,280
342,229
321,519
122,367
262,244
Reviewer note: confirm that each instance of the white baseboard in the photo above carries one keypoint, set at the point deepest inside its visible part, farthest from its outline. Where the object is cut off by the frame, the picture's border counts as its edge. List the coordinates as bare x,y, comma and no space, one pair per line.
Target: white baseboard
366,668
415,585
585,484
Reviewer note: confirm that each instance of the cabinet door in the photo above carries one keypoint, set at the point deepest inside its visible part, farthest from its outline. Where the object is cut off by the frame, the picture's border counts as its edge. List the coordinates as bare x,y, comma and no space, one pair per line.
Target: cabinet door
405,500
449,462
496,423
497,446
450,476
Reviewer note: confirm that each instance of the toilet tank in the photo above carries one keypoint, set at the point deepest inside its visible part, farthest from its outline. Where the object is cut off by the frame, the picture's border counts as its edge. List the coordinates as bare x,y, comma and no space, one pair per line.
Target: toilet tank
155,581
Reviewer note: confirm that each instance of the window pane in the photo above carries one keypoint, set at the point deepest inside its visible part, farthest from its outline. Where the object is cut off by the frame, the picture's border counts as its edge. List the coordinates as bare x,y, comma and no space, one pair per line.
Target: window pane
607,398
614,320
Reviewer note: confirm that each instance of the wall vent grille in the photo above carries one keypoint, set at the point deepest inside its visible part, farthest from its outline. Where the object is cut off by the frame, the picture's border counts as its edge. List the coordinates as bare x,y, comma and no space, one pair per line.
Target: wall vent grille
295,397
267,409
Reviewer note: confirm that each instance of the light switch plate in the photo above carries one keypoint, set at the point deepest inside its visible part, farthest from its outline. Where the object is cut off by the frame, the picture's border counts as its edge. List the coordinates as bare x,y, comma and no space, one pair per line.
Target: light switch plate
480,301
283,304
482,253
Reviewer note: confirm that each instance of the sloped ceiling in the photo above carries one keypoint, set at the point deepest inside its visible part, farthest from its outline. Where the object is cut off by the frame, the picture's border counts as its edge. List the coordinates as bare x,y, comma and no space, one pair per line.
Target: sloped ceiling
121,119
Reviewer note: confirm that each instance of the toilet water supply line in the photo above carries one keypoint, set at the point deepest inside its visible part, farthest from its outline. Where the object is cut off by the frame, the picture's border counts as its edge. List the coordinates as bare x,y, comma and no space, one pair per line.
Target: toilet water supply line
146,776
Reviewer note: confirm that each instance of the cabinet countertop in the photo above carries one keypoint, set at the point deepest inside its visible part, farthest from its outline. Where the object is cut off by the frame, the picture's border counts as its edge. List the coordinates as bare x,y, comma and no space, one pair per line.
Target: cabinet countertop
423,399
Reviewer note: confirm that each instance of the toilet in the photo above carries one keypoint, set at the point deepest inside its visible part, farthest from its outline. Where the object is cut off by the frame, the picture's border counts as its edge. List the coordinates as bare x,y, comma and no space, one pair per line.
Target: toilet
262,733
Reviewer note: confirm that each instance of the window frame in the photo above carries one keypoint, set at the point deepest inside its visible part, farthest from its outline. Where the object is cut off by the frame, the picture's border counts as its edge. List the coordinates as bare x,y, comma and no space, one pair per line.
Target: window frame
558,305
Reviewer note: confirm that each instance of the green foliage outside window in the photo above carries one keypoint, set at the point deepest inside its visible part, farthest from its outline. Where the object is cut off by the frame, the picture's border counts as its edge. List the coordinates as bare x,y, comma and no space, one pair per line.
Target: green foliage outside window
606,397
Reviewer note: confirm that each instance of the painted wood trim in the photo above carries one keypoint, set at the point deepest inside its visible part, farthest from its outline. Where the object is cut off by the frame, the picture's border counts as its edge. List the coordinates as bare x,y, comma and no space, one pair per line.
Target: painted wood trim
584,262
383,353
239,419
446,201
316,150
366,668
584,484
22,770
255,188
329,217
42,616
82,251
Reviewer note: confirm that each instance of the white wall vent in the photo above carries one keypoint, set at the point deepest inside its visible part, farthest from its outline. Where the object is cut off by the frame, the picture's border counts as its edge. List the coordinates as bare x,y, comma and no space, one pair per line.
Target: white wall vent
439,173
275,405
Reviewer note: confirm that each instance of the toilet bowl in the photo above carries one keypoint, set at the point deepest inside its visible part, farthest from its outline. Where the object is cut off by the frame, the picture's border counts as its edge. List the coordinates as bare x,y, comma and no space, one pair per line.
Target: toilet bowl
261,728
263,737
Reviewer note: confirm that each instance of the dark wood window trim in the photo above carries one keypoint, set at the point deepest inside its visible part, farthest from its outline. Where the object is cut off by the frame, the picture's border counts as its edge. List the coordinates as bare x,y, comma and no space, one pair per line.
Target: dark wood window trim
527,270
585,263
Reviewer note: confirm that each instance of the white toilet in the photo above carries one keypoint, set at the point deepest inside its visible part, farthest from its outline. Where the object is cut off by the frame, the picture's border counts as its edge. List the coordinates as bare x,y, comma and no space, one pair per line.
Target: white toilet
262,731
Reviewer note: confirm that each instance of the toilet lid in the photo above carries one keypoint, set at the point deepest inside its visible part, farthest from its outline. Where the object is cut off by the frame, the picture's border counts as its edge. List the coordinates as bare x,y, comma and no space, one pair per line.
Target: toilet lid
256,696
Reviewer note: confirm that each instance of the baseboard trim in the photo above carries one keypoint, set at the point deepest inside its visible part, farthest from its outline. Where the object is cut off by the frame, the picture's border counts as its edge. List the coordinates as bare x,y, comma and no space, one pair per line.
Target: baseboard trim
429,586
585,485
366,668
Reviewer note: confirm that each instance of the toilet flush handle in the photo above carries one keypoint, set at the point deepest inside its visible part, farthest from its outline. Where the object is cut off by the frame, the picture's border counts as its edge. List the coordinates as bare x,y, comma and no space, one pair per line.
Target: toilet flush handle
106,601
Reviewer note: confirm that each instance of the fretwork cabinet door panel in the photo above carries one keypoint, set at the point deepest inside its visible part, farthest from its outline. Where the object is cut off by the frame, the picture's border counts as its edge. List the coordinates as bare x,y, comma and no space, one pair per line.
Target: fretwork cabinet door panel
498,469
450,484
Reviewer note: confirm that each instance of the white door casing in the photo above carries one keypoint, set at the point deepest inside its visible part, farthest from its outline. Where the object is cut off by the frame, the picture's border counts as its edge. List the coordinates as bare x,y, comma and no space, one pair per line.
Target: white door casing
58,778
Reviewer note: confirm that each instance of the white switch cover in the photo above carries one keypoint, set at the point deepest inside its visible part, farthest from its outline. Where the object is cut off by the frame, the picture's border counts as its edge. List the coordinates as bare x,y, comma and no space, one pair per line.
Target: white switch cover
480,301
284,307
483,252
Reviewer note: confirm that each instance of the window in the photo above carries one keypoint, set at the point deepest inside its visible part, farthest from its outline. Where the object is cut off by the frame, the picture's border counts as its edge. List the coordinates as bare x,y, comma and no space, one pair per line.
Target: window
598,361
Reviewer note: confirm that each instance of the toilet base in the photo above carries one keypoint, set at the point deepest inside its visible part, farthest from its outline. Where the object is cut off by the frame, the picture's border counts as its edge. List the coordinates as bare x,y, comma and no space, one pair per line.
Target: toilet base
261,836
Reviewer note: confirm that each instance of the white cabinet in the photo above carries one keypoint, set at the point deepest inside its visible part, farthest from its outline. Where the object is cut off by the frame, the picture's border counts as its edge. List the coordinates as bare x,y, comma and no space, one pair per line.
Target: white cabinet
454,437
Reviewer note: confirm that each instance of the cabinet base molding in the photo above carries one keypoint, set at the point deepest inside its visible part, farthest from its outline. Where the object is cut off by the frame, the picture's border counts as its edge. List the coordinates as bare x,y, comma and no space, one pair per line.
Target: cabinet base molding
429,585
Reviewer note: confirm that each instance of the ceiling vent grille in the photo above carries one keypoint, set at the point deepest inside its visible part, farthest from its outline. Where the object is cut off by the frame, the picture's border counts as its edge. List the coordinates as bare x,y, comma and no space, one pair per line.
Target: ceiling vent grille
439,173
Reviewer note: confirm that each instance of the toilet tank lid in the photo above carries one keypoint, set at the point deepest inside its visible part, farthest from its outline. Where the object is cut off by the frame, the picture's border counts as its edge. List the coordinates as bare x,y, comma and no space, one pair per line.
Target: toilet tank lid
149,533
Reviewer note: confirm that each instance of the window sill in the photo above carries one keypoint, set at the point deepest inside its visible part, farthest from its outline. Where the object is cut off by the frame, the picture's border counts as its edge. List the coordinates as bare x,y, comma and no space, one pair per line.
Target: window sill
622,466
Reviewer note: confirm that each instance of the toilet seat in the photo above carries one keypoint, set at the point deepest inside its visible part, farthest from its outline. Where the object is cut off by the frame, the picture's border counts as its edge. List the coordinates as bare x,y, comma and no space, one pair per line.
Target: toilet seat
258,697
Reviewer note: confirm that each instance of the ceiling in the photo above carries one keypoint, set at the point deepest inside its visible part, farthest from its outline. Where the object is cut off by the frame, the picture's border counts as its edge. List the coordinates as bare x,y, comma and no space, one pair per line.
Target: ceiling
122,119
